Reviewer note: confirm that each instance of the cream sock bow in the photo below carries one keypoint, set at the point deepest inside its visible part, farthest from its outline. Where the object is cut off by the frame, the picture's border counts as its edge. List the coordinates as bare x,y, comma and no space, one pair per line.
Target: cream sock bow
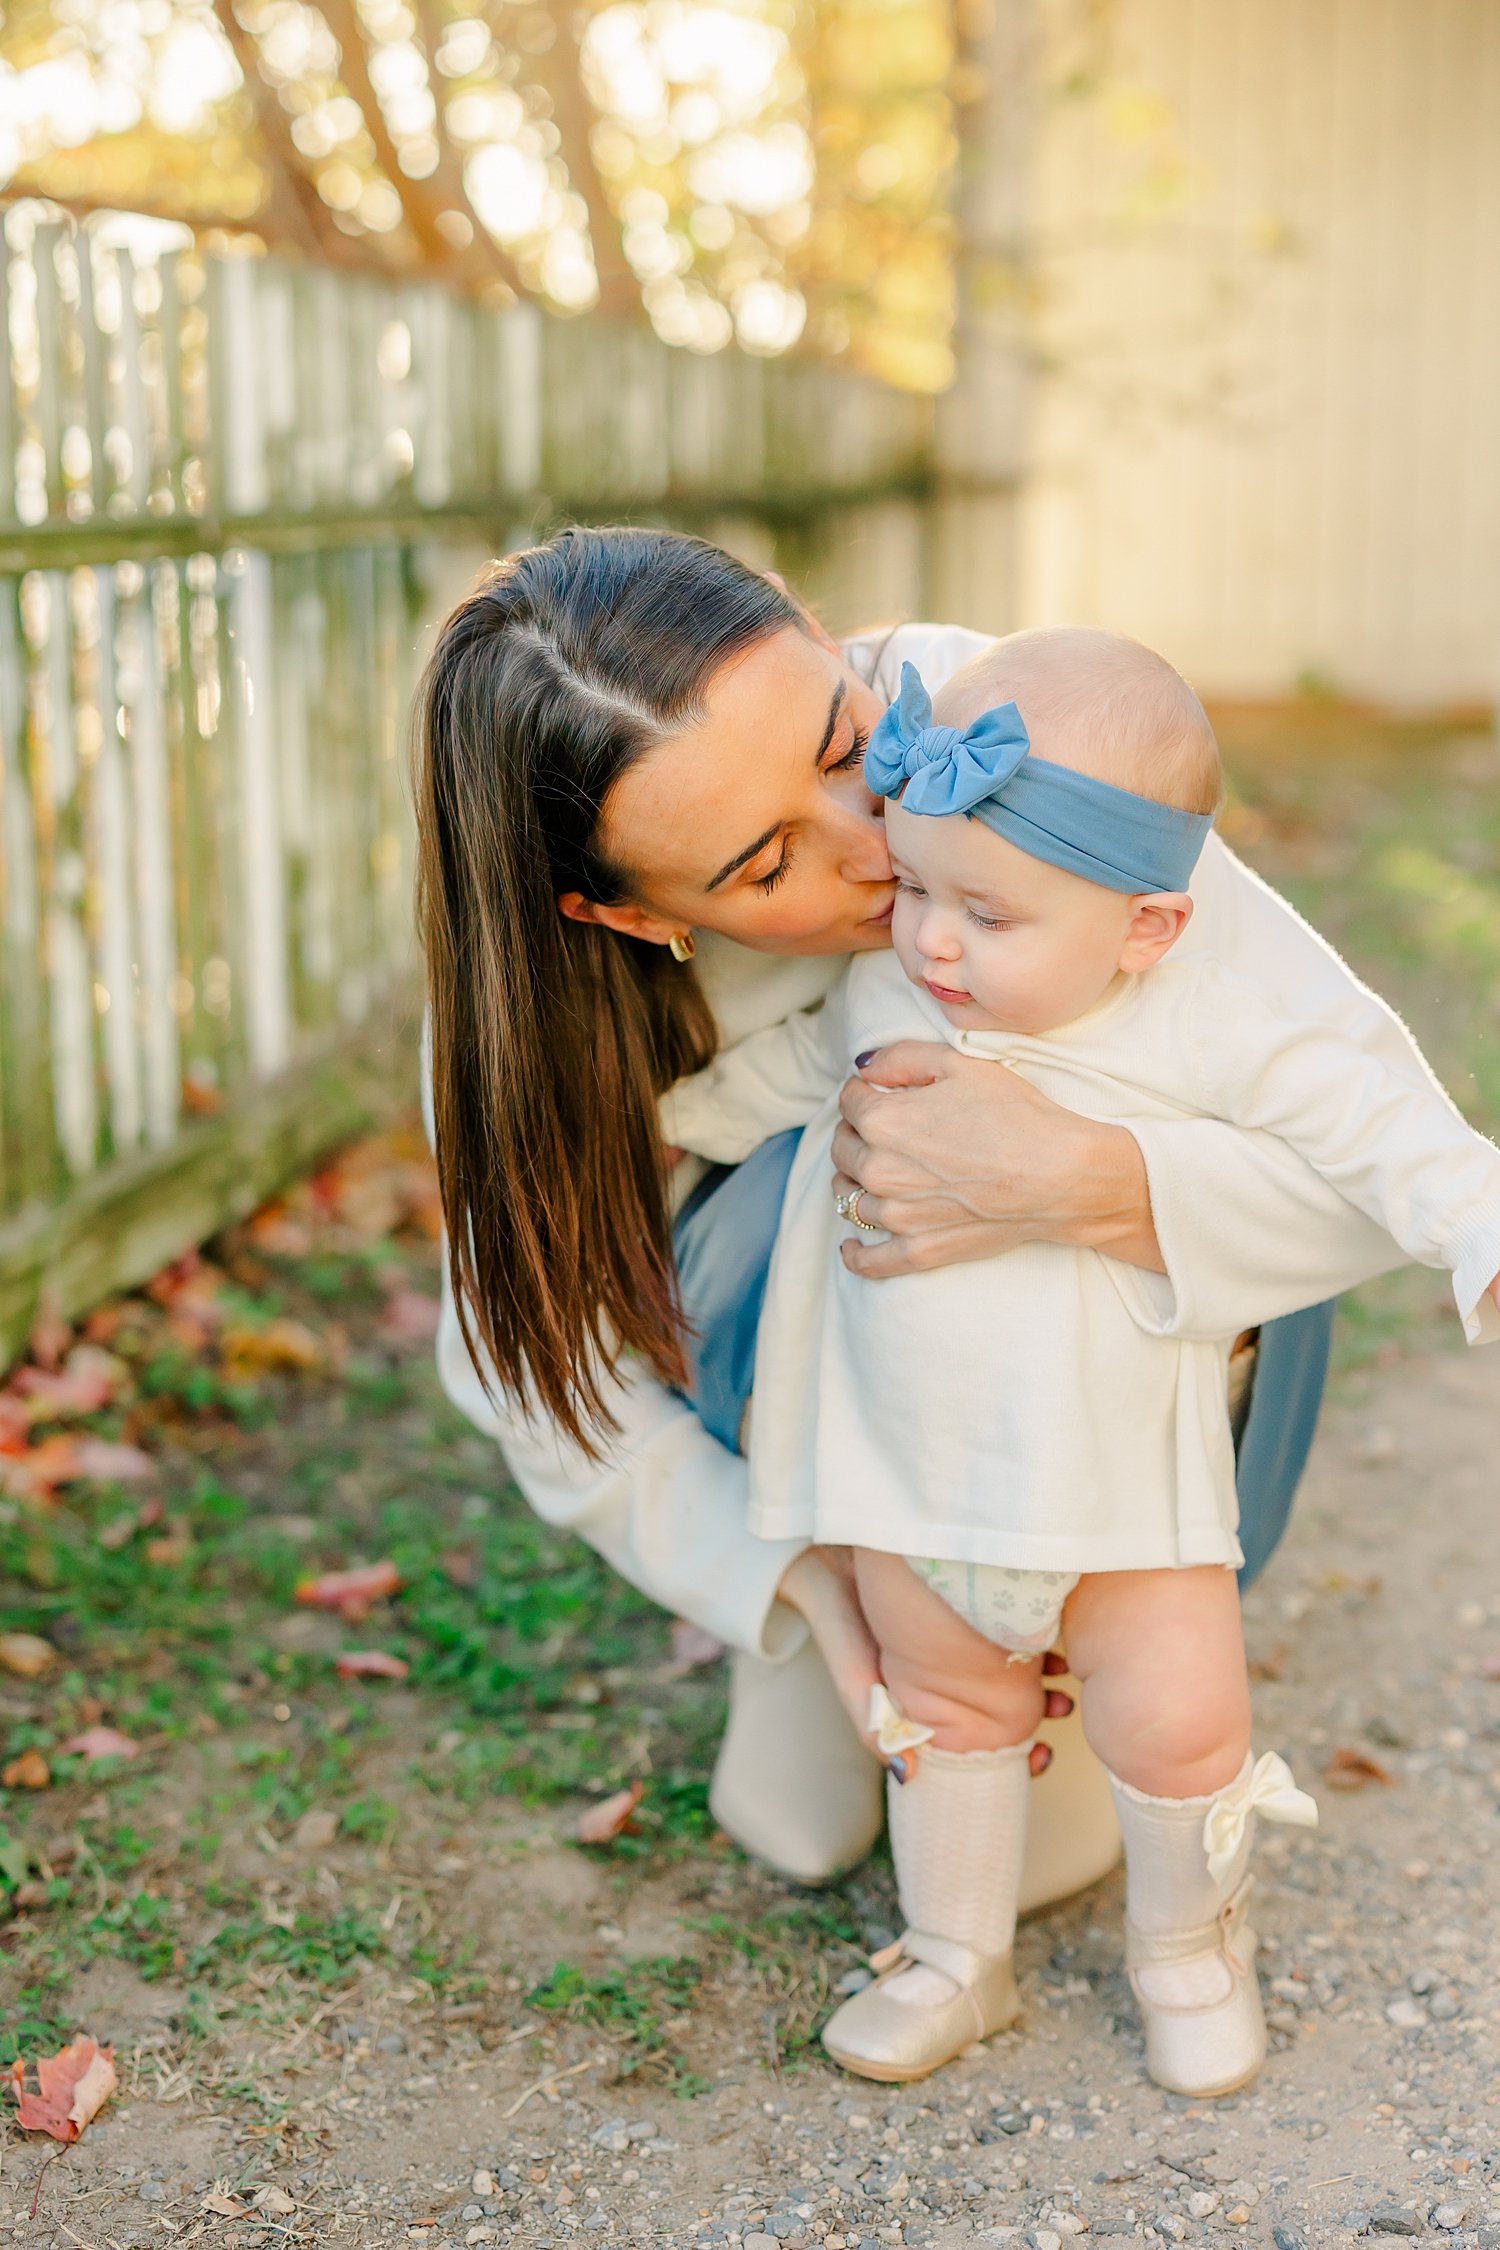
1266,1788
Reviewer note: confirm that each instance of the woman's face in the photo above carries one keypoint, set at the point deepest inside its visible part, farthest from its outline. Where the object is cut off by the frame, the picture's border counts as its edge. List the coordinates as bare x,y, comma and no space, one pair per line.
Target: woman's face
756,822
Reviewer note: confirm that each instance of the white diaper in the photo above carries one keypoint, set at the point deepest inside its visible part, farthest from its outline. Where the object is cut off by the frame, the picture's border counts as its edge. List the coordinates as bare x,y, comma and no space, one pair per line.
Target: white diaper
1017,1609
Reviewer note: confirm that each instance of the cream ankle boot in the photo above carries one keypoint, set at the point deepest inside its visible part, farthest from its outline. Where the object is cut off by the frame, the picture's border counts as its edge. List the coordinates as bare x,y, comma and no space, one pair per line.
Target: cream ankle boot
958,1832
793,1783
1188,1947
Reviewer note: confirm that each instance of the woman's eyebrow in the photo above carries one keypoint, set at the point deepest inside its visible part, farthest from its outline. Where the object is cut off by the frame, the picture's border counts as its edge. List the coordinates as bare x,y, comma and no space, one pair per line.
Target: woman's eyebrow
733,866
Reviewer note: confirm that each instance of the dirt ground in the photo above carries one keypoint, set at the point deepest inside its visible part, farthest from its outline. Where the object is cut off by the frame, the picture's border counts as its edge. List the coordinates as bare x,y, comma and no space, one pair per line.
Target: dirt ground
364,1987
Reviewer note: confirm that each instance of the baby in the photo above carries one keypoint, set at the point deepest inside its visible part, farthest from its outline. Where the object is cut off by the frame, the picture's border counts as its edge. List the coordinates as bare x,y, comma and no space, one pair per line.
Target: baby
1017,1453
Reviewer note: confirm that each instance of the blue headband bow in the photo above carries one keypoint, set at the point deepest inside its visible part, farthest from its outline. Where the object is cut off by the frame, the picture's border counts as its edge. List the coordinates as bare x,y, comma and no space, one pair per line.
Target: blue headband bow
1107,835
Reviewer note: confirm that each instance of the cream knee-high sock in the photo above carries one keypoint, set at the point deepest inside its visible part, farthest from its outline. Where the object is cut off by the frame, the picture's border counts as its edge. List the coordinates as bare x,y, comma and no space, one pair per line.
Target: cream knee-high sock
1168,1886
958,1837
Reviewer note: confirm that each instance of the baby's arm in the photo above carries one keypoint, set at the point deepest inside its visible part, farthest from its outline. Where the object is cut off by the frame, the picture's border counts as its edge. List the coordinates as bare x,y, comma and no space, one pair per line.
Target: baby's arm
776,1079
1378,1128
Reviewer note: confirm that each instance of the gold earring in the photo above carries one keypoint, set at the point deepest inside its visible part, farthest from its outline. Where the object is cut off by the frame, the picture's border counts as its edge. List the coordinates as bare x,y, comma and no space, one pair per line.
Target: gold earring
682,946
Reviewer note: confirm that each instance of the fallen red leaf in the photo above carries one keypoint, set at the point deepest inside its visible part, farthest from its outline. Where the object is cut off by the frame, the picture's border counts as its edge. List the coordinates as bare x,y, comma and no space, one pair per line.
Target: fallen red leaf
73,2087
87,1381
1351,1769
353,1593
370,1664
100,1742
410,1317
611,1817
29,1771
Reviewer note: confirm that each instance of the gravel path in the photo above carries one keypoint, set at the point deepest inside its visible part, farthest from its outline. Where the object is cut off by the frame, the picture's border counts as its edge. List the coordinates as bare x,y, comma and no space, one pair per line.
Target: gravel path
1379,2111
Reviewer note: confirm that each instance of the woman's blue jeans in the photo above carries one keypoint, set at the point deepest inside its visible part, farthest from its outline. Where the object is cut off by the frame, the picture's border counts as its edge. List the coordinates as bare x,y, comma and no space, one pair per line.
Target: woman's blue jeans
724,1236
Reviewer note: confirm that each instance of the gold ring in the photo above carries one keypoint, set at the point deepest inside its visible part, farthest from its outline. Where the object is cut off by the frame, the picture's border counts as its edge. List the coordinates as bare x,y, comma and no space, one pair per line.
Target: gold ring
847,1207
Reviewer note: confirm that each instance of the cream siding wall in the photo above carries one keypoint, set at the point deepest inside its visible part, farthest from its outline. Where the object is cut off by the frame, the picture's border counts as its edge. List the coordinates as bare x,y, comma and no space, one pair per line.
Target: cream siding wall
1266,428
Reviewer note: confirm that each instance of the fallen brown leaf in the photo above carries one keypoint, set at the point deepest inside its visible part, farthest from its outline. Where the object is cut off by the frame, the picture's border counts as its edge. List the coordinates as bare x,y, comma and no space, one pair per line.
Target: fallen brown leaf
26,1654
72,2087
95,1743
1351,1769
353,1593
284,1346
461,1566
225,2206
611,1817
29,1771
1271,1666
370,1664
275,2200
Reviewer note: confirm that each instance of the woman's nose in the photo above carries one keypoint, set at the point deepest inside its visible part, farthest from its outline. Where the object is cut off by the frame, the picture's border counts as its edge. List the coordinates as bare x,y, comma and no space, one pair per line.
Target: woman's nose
863,853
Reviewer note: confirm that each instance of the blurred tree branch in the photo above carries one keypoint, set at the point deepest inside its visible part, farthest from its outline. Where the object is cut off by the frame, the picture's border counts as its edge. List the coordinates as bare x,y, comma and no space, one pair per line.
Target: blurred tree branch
296,210
557,68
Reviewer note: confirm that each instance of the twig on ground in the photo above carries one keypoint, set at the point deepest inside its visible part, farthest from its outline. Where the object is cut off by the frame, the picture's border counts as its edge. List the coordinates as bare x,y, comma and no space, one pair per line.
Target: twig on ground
553,2078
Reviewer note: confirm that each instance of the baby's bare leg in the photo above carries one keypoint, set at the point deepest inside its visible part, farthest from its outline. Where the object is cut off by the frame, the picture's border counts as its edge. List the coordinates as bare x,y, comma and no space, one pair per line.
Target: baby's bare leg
940,1671
1166,1701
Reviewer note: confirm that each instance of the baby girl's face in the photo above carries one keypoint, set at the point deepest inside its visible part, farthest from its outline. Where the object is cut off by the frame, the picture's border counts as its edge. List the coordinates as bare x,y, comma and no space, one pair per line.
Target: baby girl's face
1004,942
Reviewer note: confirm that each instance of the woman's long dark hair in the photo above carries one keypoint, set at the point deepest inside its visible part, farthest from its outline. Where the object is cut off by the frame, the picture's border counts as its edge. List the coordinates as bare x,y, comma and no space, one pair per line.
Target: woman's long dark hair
551,1039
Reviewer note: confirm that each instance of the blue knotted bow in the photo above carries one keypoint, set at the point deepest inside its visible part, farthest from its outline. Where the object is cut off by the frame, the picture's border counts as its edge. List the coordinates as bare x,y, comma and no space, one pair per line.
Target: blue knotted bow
1107,835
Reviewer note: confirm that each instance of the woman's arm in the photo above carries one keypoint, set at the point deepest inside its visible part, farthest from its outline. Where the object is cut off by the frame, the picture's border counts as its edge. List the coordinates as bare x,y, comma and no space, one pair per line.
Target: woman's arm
667,1509
1223,1228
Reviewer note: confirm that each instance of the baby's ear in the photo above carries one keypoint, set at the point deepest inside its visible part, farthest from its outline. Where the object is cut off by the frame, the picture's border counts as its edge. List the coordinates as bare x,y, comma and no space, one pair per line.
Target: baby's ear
1157,921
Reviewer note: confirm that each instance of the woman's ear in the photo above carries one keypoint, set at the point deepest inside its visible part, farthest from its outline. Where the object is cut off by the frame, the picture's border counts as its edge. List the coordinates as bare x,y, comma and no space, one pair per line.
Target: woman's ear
1157,921
629,920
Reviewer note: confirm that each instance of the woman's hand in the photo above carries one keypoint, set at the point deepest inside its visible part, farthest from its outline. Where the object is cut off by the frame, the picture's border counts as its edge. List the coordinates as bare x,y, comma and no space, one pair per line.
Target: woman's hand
958,1158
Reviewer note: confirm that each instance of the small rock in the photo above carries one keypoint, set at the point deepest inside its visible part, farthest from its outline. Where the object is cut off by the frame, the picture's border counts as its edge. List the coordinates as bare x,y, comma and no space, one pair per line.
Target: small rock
852,1981
1444,2006
151,2191
1045,2238
483,2183
1449,2215
316,1830
1066,2222
643,2129
392,2044
1170,2224
761,2242
1288,2238
1389,2218
472,2211
613,2136
1406,2015
1357,2221
482,2234
1238,2215
1202,2203
1421,1981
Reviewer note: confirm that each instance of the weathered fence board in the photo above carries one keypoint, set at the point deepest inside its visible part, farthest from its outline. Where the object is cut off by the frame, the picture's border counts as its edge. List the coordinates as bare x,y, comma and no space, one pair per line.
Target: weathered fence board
222,481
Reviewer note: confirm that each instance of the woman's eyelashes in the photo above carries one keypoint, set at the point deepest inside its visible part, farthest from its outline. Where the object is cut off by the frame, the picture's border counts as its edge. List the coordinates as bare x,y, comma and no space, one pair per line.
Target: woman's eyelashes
853,756
765,884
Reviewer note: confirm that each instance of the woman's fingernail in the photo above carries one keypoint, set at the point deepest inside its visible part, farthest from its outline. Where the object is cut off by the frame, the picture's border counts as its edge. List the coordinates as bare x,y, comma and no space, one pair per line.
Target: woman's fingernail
862,1061
897,1769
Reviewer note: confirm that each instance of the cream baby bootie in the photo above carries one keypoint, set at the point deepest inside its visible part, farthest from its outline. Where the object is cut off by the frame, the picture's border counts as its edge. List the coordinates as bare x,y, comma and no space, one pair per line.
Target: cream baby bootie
1189,1948
958,1832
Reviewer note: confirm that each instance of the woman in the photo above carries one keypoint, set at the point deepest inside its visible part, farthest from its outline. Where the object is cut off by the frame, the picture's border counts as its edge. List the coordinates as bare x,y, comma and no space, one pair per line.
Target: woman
632,750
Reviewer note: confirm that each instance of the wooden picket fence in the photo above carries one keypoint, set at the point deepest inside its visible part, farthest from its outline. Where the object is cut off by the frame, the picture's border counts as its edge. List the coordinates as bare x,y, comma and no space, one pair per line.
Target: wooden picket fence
230,492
